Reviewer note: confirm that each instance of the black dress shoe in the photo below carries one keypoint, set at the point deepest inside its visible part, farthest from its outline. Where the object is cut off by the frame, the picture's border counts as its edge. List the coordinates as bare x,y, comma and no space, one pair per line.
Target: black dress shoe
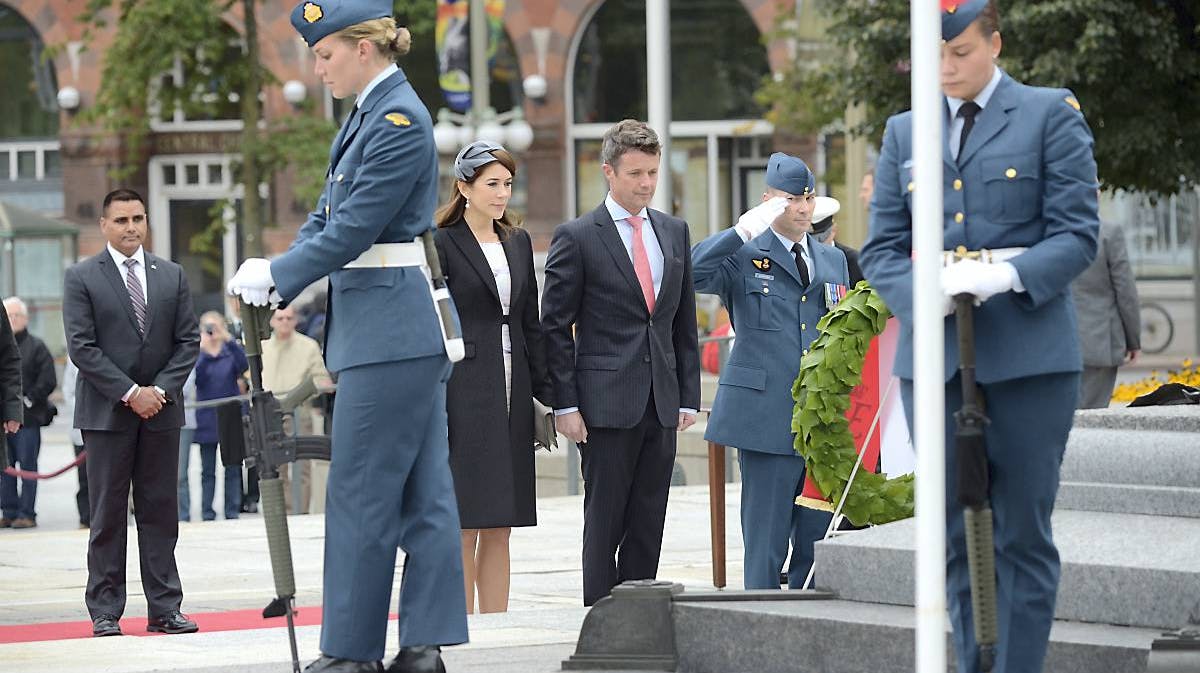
333,665
172,622
418,659
105,625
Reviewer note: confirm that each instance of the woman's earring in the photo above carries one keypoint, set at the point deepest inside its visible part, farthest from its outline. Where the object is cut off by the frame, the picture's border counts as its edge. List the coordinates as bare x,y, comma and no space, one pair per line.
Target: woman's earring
466,202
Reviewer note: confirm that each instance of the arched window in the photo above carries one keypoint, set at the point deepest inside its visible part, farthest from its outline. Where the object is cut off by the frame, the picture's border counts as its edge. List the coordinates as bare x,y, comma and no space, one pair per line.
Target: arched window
27,108
717,62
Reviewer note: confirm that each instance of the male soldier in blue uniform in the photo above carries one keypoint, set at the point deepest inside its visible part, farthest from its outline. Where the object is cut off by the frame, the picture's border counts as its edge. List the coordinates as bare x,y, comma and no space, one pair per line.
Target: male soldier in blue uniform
389,482
1019,188
772,276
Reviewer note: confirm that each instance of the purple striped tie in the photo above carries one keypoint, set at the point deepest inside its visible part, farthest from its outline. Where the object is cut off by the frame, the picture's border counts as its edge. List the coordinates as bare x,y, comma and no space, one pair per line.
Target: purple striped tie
136,295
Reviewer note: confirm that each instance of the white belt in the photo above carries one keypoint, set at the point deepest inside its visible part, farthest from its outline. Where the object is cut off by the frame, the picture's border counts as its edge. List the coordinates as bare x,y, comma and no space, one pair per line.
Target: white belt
388,255
983,255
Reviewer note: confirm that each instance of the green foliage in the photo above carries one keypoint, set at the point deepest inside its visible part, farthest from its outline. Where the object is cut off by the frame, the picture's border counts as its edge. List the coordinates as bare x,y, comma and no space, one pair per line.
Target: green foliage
832,368
1134,65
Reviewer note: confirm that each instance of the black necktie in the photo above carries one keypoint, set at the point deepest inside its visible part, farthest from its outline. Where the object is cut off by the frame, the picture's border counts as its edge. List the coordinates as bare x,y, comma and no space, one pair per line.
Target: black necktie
968,111
798,251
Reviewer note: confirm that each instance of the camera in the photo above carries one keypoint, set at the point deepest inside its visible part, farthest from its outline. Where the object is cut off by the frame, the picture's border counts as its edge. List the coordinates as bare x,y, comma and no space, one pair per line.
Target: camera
210,330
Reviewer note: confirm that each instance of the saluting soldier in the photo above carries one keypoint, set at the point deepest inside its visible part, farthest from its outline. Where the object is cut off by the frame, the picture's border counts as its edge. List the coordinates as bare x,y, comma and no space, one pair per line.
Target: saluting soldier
1020,198
776,282
389,481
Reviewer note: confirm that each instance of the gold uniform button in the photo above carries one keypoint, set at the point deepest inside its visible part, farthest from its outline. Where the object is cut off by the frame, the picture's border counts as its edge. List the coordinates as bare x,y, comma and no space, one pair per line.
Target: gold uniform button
803,326
1010,173
340,176
957,185
958,217
806,351
766,290
912,186
804,298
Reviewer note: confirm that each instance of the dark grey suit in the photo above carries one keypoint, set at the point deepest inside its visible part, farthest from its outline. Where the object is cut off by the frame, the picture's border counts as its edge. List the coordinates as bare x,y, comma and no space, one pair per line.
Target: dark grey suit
104,342
629,372
1106,308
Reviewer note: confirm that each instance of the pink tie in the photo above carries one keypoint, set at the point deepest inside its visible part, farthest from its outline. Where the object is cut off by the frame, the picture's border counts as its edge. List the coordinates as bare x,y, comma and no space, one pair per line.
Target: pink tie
641,262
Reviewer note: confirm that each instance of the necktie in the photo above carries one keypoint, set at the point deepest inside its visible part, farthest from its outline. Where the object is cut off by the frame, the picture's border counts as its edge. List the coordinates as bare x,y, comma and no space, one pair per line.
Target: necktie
968,111
798,251
136,294
641,262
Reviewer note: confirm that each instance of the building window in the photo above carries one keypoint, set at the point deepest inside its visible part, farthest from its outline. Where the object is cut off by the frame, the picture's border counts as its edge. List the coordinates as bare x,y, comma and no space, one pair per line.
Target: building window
1159,234
201,93
717,62
27,109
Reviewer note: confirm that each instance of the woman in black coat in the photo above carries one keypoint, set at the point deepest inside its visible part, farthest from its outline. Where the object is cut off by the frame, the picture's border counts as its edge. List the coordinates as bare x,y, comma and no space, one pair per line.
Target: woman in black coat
488,263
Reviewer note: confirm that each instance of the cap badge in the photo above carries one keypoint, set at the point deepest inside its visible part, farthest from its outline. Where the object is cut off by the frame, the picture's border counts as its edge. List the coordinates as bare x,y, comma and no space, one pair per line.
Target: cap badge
313,12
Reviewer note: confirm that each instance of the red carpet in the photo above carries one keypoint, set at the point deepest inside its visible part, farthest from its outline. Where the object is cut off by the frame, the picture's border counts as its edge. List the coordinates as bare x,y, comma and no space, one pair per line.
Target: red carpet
233,620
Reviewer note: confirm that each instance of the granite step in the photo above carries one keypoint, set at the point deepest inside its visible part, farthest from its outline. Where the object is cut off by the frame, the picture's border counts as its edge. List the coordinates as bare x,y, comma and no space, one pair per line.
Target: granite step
1129,499
838,636
1123,569
1116,456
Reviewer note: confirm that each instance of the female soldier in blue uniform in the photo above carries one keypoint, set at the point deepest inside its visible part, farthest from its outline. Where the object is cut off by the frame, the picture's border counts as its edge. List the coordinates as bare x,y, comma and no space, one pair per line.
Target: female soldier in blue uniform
1020,188
389,481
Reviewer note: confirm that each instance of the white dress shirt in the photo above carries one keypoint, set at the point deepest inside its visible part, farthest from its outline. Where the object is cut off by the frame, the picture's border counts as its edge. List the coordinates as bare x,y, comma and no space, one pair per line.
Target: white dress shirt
384,74
654,251
805,255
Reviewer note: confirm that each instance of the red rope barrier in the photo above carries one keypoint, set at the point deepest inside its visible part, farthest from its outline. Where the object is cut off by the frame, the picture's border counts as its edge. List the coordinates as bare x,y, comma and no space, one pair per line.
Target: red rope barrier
23,474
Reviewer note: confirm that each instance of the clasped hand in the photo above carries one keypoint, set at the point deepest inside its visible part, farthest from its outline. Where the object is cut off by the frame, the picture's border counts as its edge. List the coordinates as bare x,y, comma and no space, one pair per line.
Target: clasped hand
254,284
146,401
980,280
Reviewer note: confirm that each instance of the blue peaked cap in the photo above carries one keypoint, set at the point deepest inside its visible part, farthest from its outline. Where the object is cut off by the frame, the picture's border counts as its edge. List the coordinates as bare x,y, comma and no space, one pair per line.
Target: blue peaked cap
315,19
789,174
958,14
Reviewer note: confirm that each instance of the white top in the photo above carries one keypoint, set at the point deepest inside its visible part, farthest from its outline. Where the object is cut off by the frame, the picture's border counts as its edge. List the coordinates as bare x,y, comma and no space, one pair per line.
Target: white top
494,252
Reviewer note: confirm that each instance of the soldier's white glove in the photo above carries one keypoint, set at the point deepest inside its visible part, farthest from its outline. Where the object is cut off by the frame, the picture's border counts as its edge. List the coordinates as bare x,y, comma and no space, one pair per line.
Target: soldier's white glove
759,218
970,276
254,284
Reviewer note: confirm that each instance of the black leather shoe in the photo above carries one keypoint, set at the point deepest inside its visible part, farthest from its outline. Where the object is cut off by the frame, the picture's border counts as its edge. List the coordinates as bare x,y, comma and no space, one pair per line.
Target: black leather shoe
333,665
172,622
418,659
105,625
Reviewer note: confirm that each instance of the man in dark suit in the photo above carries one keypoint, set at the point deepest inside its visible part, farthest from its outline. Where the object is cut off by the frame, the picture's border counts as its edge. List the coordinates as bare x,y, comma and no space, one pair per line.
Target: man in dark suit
132,332
12,411
628,376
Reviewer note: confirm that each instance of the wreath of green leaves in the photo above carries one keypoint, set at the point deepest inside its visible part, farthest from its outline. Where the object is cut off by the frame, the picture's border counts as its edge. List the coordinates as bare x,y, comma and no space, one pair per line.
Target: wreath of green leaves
830,370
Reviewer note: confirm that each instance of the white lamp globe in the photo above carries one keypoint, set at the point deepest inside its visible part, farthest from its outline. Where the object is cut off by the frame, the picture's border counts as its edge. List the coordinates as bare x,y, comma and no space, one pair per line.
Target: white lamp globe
68,98
519,135
294,91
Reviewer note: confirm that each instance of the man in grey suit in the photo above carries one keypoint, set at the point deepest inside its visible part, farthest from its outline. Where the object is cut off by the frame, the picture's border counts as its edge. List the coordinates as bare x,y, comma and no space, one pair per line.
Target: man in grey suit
619,313
132,332
1106,308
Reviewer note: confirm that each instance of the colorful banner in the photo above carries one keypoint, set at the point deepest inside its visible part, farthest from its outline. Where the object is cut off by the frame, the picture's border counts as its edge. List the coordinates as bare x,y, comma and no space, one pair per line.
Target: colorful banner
452,40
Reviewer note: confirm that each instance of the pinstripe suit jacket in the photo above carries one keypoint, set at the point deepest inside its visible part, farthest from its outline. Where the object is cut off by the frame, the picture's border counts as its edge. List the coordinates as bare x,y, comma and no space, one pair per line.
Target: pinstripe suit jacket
606,352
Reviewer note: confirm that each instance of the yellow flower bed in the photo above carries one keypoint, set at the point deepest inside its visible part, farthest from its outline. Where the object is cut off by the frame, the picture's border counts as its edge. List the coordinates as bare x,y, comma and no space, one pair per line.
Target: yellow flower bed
1188,375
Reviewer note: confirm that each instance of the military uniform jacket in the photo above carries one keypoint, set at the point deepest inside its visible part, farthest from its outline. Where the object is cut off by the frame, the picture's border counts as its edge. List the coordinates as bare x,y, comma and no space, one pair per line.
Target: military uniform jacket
775,318
1025,178
381,188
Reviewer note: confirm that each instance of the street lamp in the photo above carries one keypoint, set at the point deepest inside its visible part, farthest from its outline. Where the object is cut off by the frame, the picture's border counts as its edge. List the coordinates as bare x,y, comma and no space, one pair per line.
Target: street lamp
454,130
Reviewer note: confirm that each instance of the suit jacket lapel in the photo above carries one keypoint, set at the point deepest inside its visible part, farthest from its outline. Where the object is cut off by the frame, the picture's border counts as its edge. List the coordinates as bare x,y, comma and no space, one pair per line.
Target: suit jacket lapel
781,257
108,268
616,247
154,289
991,120
461,234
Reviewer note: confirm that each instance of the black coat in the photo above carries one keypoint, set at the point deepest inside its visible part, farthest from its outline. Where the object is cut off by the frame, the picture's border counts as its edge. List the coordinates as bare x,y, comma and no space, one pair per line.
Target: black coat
10,373
852,266
38,379
491,449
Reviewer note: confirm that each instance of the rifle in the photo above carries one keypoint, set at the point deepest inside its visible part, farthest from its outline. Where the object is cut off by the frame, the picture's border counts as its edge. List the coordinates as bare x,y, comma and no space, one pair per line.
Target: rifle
268,448
973,489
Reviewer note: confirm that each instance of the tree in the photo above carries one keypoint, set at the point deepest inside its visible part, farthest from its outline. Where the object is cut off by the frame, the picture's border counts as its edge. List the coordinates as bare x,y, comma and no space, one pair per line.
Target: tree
1134,65
220,69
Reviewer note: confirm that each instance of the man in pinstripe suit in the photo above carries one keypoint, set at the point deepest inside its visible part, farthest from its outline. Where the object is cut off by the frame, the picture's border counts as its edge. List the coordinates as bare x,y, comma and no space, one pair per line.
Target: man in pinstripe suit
619,313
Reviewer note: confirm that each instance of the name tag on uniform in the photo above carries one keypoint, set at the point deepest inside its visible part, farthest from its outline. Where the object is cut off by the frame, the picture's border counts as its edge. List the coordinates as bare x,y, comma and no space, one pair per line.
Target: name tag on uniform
763,276
833,294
